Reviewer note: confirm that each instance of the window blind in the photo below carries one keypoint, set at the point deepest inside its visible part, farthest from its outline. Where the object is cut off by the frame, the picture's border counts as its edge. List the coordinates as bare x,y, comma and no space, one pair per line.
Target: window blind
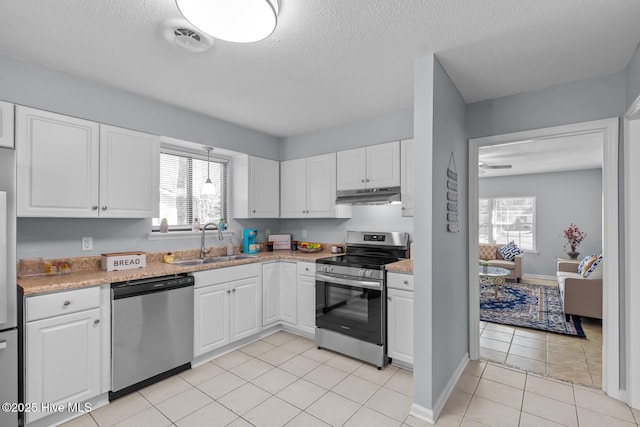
182,175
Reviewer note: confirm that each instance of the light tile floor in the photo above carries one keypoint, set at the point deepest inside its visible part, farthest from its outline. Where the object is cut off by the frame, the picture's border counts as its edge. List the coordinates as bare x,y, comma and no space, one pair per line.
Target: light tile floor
565,357
284,380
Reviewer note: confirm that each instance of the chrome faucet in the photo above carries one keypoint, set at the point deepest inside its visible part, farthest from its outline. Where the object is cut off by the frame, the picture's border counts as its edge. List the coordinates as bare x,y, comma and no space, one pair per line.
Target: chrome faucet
203,250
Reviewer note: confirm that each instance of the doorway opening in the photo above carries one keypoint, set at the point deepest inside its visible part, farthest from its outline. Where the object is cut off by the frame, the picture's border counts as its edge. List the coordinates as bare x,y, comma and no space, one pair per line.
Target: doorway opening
606,131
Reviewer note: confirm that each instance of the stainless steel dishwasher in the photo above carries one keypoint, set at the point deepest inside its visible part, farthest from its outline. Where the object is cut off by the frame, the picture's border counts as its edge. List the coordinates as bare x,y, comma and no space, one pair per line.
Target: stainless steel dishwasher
151,331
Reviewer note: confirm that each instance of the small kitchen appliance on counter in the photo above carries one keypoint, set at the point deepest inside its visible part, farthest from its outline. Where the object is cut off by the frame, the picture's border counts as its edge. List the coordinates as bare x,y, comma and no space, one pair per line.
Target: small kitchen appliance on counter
249,245
351,295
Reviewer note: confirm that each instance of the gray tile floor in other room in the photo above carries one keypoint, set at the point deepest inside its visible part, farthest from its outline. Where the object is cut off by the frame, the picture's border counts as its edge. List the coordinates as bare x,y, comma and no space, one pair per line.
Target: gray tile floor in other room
284,380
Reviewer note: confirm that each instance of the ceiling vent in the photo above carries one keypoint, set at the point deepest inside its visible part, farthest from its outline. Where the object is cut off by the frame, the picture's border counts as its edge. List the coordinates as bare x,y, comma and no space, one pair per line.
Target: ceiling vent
179,32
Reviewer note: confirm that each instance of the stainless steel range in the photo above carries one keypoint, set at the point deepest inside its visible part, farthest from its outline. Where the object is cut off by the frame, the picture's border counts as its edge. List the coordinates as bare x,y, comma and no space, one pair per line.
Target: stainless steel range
351,295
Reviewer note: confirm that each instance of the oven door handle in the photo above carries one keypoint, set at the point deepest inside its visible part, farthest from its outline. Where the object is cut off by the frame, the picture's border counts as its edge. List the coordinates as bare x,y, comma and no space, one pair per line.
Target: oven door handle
349,281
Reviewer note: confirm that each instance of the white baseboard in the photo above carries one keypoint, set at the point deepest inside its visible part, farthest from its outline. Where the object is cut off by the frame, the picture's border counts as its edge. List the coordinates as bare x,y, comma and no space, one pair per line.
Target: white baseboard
431,415
422,413
539,276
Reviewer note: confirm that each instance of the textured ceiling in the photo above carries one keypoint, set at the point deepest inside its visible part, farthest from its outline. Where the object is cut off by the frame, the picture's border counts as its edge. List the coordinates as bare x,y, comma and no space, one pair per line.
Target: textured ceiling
557,154
329,61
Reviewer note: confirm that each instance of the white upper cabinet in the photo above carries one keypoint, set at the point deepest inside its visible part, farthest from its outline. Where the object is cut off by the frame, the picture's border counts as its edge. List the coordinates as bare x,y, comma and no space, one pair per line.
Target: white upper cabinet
129,173
308,188
369,167
6,124
74,168
58,161
293,188
256,187
406,177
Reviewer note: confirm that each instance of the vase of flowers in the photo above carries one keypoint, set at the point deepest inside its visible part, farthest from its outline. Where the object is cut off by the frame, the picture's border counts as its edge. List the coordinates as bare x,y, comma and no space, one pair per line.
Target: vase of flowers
574,237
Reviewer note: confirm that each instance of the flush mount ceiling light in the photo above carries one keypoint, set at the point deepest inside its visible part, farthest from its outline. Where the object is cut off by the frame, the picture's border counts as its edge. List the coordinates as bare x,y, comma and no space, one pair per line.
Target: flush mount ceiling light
240,21
208,189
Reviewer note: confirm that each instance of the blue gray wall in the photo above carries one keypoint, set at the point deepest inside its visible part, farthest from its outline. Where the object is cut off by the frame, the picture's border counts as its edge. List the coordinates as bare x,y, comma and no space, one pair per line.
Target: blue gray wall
441,319
633,78
450,279
393,126
561,198
599,98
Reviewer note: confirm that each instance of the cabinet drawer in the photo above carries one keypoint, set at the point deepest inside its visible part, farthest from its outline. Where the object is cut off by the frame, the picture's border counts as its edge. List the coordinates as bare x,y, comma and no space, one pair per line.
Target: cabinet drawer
306,269
400,281
217,276
43,306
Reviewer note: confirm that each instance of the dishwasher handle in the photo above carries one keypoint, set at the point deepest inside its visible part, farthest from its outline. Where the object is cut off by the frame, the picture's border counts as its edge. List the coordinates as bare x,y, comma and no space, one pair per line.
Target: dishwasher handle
147,286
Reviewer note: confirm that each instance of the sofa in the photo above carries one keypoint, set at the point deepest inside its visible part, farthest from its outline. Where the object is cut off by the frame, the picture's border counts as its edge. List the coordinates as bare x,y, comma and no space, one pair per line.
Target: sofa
580,296
491,254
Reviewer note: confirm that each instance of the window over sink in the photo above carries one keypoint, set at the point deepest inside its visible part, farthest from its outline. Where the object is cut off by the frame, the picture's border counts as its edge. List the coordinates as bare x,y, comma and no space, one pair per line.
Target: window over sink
182,175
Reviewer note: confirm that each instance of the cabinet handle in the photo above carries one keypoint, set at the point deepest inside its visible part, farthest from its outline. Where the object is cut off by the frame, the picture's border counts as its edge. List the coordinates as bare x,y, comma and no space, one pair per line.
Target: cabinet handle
254,211
95,322
404,209
104,208
234,289
362,180
368,179
66,303
94,207
388,298
228,291
406,282
306,269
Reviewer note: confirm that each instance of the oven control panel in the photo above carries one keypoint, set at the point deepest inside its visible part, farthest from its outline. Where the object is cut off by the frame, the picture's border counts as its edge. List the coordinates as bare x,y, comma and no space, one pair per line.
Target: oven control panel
374,237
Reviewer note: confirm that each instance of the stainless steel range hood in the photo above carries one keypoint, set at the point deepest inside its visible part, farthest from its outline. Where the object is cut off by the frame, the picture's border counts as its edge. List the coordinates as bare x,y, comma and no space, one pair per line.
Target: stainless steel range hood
368,196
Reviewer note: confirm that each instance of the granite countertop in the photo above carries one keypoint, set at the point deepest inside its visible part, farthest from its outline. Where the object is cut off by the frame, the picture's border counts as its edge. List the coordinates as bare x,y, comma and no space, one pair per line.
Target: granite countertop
404,266
89,273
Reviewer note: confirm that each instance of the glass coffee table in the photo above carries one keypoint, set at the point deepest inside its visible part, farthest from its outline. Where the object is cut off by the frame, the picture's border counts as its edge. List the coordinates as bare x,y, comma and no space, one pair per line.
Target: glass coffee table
494,276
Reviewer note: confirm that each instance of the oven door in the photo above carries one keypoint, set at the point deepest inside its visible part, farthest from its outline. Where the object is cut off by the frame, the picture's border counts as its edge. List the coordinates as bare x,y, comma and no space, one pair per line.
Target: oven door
351,307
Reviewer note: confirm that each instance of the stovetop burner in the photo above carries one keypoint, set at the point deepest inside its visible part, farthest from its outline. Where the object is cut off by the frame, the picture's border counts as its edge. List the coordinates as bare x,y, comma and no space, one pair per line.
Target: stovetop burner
371,250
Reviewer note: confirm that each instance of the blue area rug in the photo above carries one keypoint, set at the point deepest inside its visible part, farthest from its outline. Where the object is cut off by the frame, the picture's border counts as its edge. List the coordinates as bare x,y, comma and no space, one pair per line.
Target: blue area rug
529,306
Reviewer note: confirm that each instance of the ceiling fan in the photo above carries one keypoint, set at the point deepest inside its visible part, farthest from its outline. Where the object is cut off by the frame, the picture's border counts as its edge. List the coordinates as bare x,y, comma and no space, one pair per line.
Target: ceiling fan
483,166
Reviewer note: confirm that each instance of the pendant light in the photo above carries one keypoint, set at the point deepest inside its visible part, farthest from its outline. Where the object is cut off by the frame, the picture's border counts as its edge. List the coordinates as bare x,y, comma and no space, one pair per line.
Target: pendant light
239,21
208,189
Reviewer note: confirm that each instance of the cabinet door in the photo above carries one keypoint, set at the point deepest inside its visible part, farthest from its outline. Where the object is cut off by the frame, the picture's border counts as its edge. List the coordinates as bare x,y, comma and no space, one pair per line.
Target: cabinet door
264,193
400,325
6,124
211,318
270,293
63,359
383,165
293,188
129,173
306,299
288,301
245,307
58,165
321,186
406,176
351,169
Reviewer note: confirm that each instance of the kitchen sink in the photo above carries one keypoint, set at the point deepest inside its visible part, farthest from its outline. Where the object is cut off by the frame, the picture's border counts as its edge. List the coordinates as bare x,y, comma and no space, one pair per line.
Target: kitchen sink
212,260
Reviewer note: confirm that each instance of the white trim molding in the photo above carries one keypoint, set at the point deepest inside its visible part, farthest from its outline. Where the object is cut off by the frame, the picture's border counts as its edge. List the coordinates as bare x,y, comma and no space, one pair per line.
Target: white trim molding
608,128
632,250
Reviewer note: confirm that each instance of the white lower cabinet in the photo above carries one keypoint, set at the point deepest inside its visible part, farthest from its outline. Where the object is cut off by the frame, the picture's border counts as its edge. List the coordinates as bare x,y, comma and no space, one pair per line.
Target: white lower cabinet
400,318
278,293
306,298
65,354
211,313
270,293
227,306
288,292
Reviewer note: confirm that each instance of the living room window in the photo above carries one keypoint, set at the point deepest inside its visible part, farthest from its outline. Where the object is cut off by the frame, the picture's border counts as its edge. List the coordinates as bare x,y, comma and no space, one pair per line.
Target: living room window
505,219
182,175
